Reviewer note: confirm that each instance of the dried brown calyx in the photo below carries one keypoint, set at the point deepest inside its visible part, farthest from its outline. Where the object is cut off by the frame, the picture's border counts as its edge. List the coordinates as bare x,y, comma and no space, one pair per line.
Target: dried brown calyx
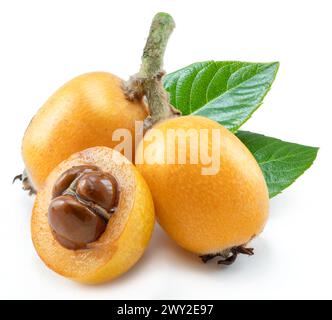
229,256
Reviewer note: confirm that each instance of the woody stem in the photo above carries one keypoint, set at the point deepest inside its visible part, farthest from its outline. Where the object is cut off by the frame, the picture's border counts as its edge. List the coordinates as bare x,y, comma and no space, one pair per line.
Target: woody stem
148,81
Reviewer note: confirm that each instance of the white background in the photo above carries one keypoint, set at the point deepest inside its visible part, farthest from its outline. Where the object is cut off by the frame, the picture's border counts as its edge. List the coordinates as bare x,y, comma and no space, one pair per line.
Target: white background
45,43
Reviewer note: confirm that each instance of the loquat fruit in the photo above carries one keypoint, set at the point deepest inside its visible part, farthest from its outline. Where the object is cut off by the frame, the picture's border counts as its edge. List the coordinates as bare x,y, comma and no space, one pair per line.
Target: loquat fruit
93,217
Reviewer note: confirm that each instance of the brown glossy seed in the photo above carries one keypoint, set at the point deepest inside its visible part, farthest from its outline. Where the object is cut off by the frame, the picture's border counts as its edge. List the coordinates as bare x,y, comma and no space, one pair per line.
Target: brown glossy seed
99,187
66,178
73,224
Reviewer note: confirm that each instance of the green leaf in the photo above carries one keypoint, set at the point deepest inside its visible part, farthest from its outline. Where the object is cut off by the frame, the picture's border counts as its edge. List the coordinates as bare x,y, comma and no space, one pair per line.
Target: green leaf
281,162
225,91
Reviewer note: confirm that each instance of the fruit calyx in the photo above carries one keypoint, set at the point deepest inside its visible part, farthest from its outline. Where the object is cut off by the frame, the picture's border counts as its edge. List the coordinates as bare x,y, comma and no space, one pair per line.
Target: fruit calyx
229,255
26,183
148,81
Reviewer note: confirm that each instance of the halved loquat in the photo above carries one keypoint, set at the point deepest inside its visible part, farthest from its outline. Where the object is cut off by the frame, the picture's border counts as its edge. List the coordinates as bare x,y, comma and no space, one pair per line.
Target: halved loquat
93,218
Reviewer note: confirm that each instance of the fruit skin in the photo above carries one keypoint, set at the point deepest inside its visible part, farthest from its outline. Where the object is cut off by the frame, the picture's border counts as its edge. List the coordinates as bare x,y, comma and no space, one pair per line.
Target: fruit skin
128,231
206,214
81,114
